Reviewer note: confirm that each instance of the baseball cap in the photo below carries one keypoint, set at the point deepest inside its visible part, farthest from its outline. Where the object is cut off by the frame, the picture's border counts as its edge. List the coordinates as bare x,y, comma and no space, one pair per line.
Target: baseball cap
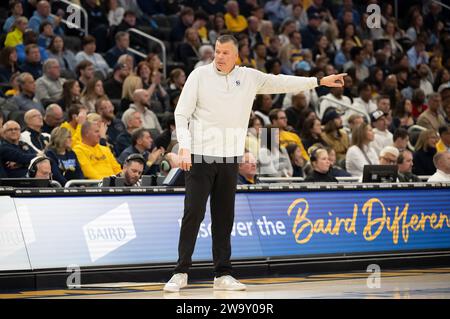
330,115
313,14
376,115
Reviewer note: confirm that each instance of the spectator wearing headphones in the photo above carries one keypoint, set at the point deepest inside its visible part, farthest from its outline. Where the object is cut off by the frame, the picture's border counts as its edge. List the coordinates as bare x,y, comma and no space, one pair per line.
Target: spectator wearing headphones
40,167
169,161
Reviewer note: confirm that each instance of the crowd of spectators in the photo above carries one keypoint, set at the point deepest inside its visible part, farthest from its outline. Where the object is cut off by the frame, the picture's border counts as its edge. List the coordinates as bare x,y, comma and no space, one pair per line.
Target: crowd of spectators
89,106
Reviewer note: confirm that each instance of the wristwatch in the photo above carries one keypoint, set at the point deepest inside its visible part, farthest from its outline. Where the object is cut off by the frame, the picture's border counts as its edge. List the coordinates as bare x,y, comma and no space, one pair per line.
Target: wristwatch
318,80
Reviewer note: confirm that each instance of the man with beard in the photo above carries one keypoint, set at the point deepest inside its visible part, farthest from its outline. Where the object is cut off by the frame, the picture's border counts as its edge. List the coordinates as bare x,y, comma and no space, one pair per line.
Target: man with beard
105,109
142,143
133,168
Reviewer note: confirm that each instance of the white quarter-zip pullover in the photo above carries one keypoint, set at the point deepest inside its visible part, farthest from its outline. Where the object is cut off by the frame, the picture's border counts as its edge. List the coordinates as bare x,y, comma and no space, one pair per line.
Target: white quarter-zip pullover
213,111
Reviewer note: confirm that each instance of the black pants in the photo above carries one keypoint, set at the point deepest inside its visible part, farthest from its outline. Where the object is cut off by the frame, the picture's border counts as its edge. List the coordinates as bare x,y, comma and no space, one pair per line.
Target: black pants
218,180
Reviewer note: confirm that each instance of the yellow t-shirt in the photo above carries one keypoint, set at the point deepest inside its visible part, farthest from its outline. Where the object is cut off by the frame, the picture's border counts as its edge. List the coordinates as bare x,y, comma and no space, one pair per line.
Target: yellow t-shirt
75,132
251,62
11,92
237,24
14,38
203,34
96,162
440,146
292,138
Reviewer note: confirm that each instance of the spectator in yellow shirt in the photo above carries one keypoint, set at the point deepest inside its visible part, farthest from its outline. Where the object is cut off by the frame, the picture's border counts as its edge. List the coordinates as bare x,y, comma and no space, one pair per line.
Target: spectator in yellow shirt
200,22
15,36
444,142
244,57
96,161
76,117
233,20
278,118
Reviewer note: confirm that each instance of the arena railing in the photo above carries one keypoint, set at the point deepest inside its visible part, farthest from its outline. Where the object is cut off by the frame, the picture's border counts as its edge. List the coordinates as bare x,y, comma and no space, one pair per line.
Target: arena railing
151,38
441,4
344,179
55,184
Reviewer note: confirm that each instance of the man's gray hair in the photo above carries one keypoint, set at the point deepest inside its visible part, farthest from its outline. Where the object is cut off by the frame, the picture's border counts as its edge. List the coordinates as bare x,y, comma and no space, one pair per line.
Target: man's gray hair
50,110
48,64
437,159
127,115
390,150
228,38
21,79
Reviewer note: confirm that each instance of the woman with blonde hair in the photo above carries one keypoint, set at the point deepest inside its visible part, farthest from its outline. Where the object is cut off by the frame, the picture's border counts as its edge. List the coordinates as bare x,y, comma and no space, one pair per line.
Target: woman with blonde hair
93,92
131,84
128,60
321,165
64,161
15,36
424,151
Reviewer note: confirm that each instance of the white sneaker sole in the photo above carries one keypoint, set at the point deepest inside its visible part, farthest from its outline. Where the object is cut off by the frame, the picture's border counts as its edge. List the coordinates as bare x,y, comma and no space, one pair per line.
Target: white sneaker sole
173,289
231,289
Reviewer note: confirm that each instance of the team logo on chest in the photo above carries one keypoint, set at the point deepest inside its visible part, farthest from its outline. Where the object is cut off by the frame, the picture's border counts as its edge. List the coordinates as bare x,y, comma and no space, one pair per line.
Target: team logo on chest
238,83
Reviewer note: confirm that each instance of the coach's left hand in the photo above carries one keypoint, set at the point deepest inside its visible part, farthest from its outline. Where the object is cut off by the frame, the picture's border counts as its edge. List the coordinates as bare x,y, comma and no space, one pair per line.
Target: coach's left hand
334,80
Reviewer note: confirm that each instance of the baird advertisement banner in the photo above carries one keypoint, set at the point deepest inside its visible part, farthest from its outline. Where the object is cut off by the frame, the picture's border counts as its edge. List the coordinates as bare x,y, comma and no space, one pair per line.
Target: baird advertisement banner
138,229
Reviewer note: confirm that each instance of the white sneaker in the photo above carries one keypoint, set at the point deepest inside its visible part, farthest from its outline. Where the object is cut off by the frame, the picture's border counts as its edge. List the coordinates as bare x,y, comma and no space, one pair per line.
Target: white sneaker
228,283
177,282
